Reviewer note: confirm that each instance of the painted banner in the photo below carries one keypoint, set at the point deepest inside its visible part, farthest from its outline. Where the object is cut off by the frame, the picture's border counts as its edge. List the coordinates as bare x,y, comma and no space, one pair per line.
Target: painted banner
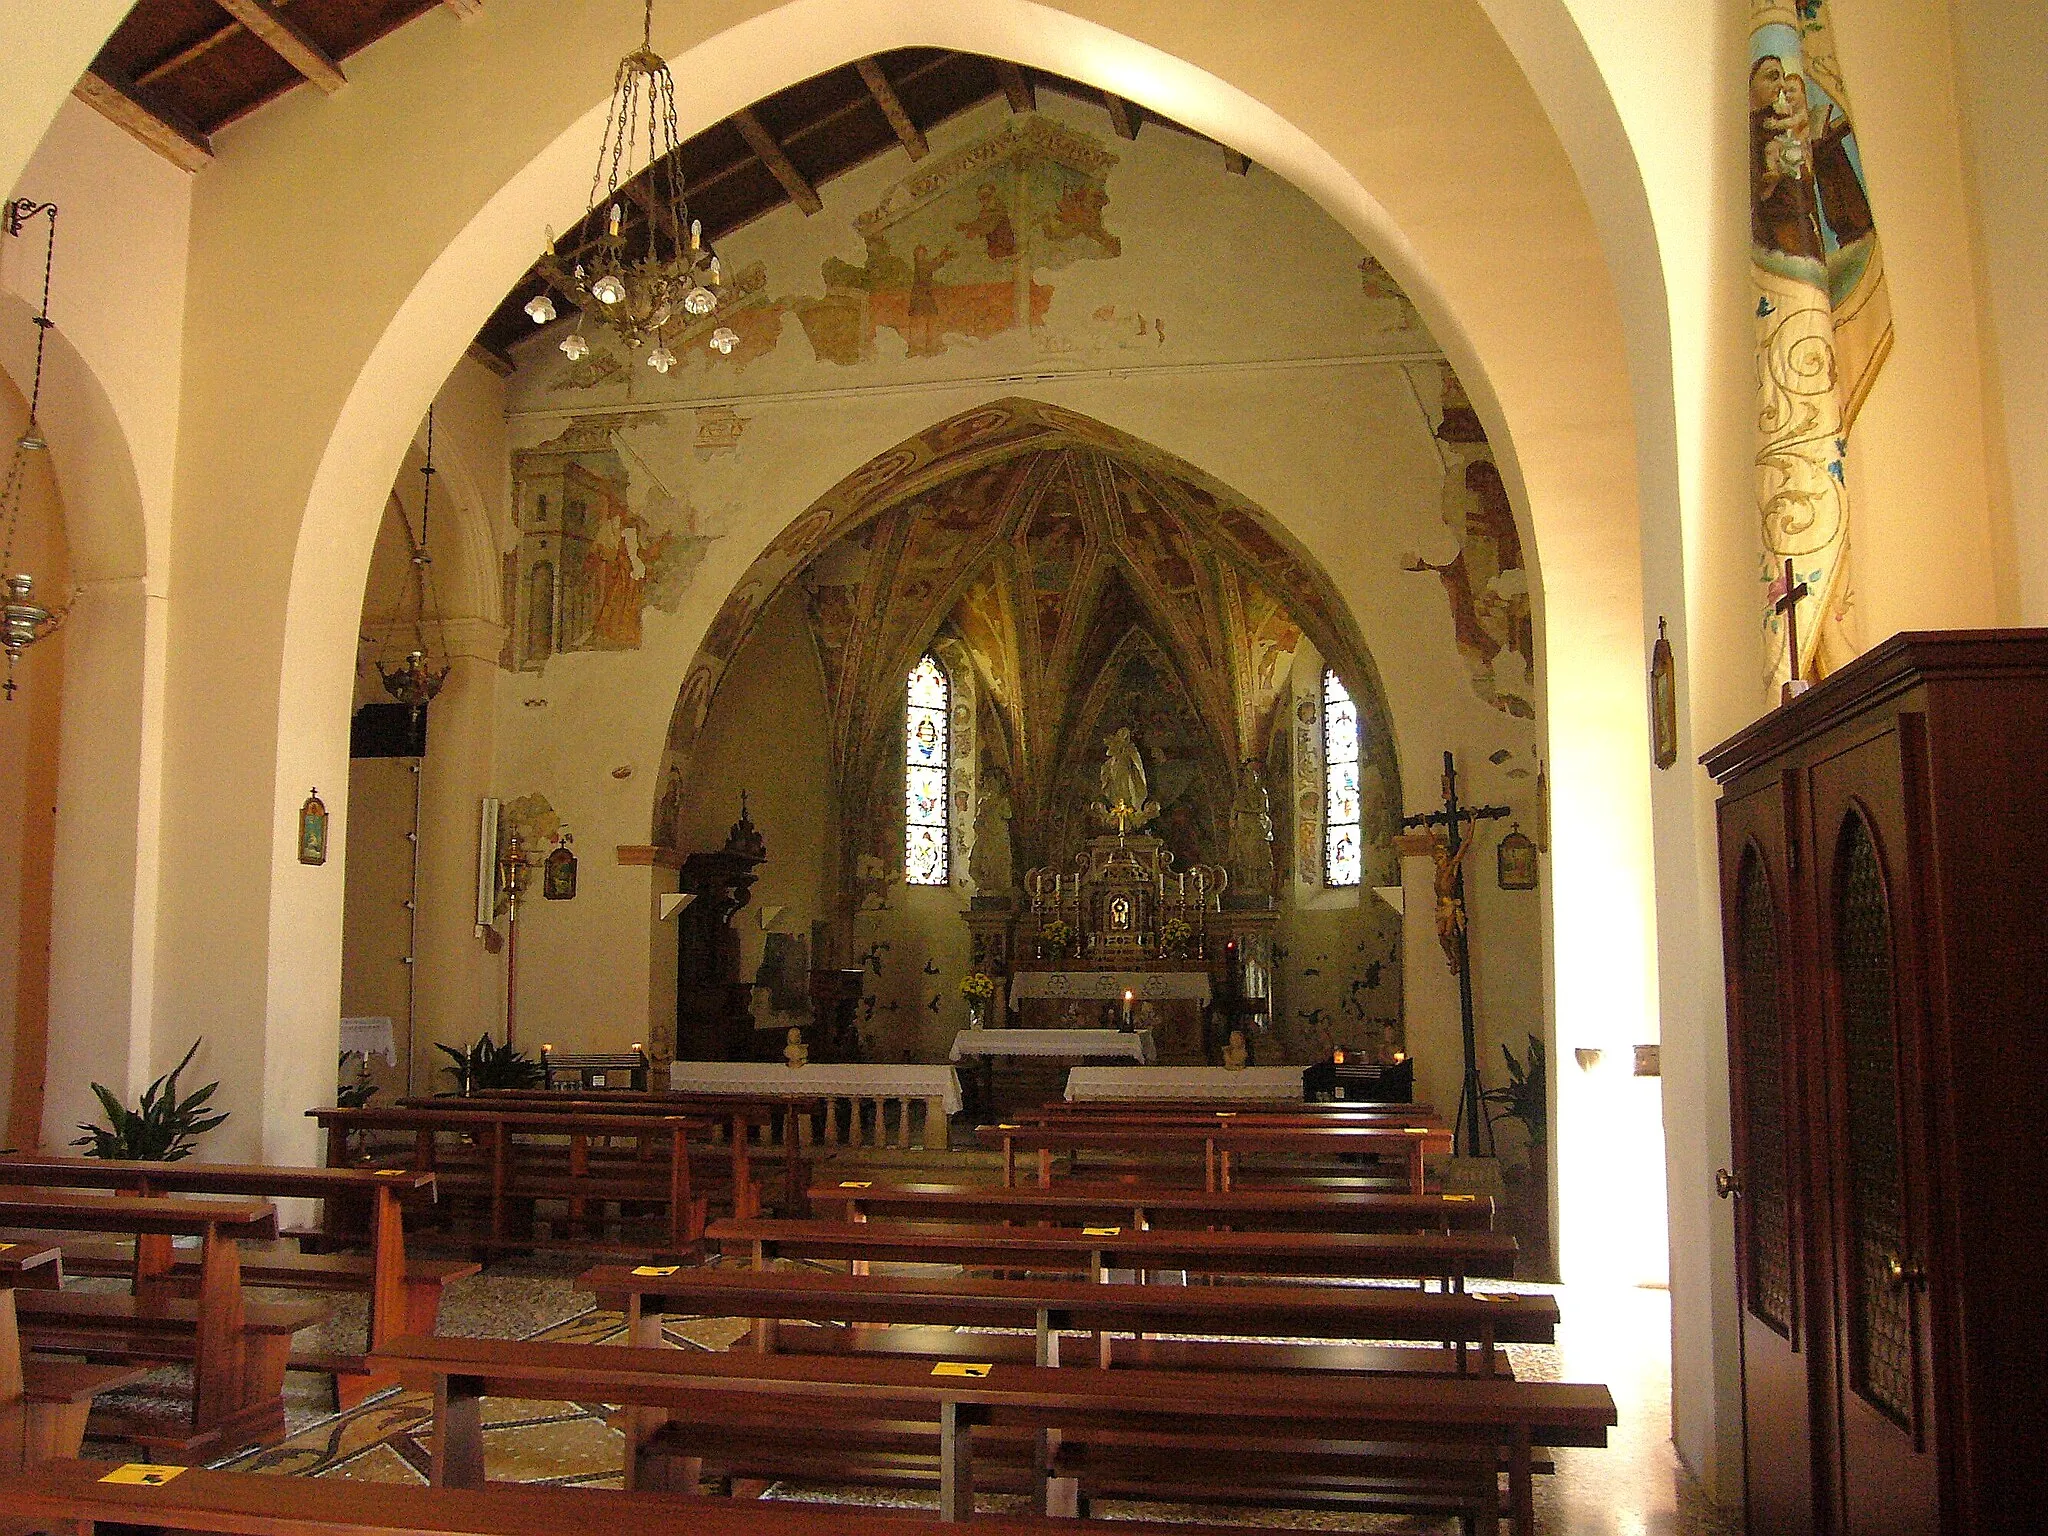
1823,320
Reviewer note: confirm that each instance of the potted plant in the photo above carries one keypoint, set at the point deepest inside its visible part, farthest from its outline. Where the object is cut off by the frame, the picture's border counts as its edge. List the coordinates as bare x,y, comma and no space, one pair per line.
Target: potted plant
1526,1097
978,987
1174,934
162,1128
490,1065
1055,939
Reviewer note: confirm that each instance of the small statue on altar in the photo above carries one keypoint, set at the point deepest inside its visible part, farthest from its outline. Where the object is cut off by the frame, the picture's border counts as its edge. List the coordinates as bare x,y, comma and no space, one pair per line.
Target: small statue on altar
796,1053
1236,1054
1124,802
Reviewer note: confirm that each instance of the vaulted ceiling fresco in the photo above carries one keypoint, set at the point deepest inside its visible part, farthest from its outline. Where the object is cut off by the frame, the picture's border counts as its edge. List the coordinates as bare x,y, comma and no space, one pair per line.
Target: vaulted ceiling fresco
1087,576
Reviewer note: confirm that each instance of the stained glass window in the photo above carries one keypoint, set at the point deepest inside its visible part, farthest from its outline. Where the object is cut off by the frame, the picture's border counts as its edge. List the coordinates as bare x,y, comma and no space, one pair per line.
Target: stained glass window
925,772
1342,859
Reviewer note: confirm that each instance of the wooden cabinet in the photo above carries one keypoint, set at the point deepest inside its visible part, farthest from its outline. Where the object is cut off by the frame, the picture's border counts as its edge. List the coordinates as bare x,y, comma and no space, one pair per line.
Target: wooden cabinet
1883,863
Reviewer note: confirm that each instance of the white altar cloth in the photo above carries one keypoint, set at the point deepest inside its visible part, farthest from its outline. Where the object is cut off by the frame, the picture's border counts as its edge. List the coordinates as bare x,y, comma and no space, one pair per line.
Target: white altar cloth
1144,986
1135,1045
1189,1084
369,1037
846,1080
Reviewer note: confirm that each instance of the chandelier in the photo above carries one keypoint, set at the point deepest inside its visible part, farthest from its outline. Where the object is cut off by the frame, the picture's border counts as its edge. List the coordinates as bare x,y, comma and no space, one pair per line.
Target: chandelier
414,676
24,621
639,287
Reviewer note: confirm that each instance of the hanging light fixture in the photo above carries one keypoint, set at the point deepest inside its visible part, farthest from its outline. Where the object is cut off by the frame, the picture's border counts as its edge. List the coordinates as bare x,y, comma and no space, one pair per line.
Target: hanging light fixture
24,621
415,676
638,287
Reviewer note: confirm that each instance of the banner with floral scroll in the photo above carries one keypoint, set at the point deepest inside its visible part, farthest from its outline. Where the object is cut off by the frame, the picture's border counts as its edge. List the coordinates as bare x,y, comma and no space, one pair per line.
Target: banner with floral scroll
1823,319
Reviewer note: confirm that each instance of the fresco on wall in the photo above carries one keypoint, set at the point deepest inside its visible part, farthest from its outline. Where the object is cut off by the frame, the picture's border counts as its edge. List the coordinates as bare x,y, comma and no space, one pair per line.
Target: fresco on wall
1485,580
1386,304
601,540
953,252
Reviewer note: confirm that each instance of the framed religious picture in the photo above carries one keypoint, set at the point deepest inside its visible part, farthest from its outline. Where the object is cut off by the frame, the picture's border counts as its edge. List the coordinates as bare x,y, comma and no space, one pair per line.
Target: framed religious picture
313,830
1663,701
558,871
1516,860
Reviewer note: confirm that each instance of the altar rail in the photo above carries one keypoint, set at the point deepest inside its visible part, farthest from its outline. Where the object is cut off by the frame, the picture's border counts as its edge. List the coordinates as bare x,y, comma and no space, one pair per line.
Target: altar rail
871,1104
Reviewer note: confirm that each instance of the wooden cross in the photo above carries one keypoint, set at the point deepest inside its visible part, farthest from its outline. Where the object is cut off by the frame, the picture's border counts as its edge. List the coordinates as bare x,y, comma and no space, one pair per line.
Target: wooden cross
1788,605
1456,821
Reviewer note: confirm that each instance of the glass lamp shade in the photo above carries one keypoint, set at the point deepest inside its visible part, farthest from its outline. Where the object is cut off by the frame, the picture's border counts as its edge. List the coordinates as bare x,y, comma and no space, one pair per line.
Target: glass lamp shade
724,339
574,347
541,308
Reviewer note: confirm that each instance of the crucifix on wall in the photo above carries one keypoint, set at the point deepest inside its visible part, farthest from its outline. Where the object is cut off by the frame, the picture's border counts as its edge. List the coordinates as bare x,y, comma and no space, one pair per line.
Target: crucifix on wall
1788,606
1446,842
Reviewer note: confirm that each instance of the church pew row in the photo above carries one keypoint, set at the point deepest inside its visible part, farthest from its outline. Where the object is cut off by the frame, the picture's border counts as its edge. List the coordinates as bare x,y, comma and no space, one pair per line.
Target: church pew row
1449,1257
73,1496
508,1159
404,1295
1465,1330
1244,1209
236,1348
1218,1146
43,1403
1155,1112
1399,1434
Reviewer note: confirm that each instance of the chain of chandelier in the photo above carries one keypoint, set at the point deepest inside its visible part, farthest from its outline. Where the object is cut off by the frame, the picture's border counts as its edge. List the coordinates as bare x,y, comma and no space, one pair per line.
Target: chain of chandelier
633,286
23,620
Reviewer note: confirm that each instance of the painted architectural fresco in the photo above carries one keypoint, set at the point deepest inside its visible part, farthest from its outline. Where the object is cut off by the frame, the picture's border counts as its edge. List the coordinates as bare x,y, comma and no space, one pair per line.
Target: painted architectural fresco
601,540
1484,578
954,251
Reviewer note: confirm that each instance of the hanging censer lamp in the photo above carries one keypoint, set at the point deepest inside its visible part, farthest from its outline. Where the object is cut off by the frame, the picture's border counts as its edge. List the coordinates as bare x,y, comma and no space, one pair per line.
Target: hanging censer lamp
414,675
24,621
662,277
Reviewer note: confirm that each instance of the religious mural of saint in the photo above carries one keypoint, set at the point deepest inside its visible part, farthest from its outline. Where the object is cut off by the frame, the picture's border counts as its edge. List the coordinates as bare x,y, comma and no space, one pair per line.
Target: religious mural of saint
615,565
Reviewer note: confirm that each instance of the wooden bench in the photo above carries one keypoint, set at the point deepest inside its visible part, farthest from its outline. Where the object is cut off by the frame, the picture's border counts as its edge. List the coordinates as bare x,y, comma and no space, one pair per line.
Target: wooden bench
508,1170
1378,1421
404,1296
237,1350
1154,1112
1218,1144
1473,1326
777,1116
1446,1256
72,1495
1244,1209
43,1403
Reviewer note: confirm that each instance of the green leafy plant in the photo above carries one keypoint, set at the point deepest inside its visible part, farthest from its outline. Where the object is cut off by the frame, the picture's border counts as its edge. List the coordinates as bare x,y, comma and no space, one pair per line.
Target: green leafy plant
357,1094
1526,1095
490,1065
161,1129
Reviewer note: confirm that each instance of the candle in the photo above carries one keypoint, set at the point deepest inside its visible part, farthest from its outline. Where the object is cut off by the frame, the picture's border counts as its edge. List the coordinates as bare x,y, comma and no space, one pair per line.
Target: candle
1127,1008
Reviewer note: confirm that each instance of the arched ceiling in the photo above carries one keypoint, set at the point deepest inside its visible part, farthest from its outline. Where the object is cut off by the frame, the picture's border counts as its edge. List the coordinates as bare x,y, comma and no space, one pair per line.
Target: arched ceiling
1042,540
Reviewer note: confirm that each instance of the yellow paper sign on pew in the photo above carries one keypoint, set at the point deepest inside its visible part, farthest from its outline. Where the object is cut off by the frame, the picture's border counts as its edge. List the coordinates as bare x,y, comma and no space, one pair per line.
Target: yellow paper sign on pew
144,1473
656,1271
962,1368
856,1183
1100,1231
1461,1197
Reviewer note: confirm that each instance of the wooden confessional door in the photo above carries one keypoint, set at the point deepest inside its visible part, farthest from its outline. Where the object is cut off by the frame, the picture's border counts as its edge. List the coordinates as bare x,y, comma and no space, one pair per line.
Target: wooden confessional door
1882,1438
1769,1151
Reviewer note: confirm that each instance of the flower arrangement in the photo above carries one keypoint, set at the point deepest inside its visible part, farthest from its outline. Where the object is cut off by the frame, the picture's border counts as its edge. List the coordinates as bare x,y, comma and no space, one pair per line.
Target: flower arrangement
1174,934
1057,936
977,986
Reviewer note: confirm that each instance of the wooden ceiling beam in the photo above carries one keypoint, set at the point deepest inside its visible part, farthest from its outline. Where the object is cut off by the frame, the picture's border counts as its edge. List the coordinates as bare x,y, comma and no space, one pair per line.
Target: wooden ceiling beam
770,154
163,131
1016,89
655,210
1123,117
288,40
490,357
892,108
1236,164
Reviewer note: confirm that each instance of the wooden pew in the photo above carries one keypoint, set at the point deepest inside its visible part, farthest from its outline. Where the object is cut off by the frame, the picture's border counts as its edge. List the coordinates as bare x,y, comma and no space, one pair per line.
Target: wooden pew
405,1295
505,1177
1218,1144
740,1113
43,1403
1180,1413
1244,1209
1153,1111
1446,1256
1472,1326
237,1348
72,1495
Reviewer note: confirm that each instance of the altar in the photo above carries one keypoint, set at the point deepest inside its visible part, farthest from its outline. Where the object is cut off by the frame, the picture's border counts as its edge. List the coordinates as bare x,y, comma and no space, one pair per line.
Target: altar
1035,1050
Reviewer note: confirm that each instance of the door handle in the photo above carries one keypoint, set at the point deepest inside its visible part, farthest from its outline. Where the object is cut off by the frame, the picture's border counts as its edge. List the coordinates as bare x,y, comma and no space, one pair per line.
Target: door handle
1727,1184
1898,1276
